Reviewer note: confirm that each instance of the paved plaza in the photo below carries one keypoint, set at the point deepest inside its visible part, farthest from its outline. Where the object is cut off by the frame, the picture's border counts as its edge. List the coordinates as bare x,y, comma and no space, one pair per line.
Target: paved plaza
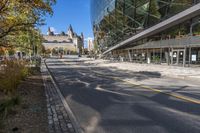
180,72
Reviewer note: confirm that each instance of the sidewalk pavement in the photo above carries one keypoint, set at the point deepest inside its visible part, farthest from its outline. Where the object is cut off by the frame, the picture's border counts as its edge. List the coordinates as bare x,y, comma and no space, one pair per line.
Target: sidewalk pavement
58,117
188,73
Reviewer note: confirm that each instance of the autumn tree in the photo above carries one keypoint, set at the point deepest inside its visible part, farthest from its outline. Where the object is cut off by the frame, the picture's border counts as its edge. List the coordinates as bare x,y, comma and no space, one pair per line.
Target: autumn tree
20,17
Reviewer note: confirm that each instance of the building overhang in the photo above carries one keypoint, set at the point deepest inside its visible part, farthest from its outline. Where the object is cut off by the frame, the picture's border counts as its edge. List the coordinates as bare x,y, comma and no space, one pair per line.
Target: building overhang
190,41
172,21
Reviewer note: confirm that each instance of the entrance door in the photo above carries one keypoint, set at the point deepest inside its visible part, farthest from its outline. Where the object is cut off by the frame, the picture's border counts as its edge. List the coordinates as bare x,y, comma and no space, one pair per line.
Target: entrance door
174,57
178,56
181,57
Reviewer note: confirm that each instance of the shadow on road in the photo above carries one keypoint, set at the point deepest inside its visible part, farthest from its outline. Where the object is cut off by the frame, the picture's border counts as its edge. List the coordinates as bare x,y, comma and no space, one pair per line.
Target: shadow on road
80,86
123,74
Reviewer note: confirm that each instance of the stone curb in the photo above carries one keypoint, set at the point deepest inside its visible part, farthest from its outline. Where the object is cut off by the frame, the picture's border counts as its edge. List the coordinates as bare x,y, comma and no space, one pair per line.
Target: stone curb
72,124
183,77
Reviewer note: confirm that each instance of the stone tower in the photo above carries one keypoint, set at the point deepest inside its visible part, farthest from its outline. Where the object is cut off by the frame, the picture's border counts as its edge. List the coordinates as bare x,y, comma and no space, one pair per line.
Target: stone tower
70,31
50,33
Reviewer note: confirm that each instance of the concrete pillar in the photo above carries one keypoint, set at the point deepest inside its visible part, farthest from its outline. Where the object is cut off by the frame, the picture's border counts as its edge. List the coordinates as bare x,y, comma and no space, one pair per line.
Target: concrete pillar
184,56
154,55
161,55
190,52
148,57
168,57
130,56
172,56
177,57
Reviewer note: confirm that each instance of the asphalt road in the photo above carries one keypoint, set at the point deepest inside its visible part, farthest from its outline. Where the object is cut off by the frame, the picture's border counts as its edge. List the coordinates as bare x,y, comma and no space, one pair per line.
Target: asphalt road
104,105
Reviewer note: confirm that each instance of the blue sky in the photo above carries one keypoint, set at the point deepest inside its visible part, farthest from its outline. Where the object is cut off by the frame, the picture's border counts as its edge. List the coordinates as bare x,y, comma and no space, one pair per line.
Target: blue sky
74,12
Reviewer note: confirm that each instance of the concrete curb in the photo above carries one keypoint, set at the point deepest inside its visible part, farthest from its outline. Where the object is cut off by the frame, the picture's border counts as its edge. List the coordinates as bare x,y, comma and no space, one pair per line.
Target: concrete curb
182,77
72,117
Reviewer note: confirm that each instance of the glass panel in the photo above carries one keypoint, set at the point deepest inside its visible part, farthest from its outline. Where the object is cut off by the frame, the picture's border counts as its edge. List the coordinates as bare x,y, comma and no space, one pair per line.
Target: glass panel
154,14
177,6
115,20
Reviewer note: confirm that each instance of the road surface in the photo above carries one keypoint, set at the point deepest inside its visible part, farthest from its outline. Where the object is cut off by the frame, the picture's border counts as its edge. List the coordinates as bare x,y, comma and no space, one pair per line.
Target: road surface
104,105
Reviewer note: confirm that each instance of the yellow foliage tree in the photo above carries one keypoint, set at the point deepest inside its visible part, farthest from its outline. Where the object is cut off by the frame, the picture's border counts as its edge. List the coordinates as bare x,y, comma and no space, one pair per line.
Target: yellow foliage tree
21,15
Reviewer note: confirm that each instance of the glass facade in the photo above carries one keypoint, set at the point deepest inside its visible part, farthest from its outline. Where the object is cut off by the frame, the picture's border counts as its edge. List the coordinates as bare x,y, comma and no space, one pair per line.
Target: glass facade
116,20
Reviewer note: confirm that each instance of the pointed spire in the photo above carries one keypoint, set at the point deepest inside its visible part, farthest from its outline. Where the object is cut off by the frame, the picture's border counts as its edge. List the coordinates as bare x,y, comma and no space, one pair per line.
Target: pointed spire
70,31
82,36
49,29
70,28
50,33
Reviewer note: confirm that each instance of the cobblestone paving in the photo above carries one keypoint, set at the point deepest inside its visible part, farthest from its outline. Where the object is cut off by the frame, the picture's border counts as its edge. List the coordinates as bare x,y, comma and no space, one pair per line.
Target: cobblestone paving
58,119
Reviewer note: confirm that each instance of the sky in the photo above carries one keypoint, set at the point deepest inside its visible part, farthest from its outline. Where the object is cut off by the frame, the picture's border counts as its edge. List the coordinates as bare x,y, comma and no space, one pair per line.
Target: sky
66,12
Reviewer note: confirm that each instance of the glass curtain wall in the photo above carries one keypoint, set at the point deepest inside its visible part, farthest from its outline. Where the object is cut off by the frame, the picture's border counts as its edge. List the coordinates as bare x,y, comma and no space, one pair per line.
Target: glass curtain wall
116,20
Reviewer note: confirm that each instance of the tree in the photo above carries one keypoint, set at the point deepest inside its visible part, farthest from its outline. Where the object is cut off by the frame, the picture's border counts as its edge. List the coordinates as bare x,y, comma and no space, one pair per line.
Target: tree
20,15
2,51
95,46
54,51
62,33
18,22
48,51
30,40
154,14
42,49
11,51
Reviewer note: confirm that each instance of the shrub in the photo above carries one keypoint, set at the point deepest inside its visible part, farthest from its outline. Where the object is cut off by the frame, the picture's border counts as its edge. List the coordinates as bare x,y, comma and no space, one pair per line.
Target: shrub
36,61
156,59
6,106
11,75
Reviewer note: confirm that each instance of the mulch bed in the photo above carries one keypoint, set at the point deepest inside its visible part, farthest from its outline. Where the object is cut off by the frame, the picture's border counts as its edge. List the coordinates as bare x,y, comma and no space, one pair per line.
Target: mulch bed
31,115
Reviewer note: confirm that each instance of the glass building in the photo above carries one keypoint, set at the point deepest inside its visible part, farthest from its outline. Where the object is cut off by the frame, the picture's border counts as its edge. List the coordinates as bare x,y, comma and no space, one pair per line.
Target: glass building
159,31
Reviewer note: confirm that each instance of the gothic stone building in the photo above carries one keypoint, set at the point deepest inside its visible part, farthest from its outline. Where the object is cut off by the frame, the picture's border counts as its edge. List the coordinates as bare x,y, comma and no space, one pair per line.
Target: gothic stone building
66,43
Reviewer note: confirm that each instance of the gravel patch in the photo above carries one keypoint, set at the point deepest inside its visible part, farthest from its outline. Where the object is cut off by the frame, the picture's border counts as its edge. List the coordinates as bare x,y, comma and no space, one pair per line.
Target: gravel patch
31,115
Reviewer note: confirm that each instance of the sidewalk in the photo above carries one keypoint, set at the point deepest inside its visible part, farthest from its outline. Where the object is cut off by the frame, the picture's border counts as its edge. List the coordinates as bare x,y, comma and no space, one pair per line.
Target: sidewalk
58,117
168,71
